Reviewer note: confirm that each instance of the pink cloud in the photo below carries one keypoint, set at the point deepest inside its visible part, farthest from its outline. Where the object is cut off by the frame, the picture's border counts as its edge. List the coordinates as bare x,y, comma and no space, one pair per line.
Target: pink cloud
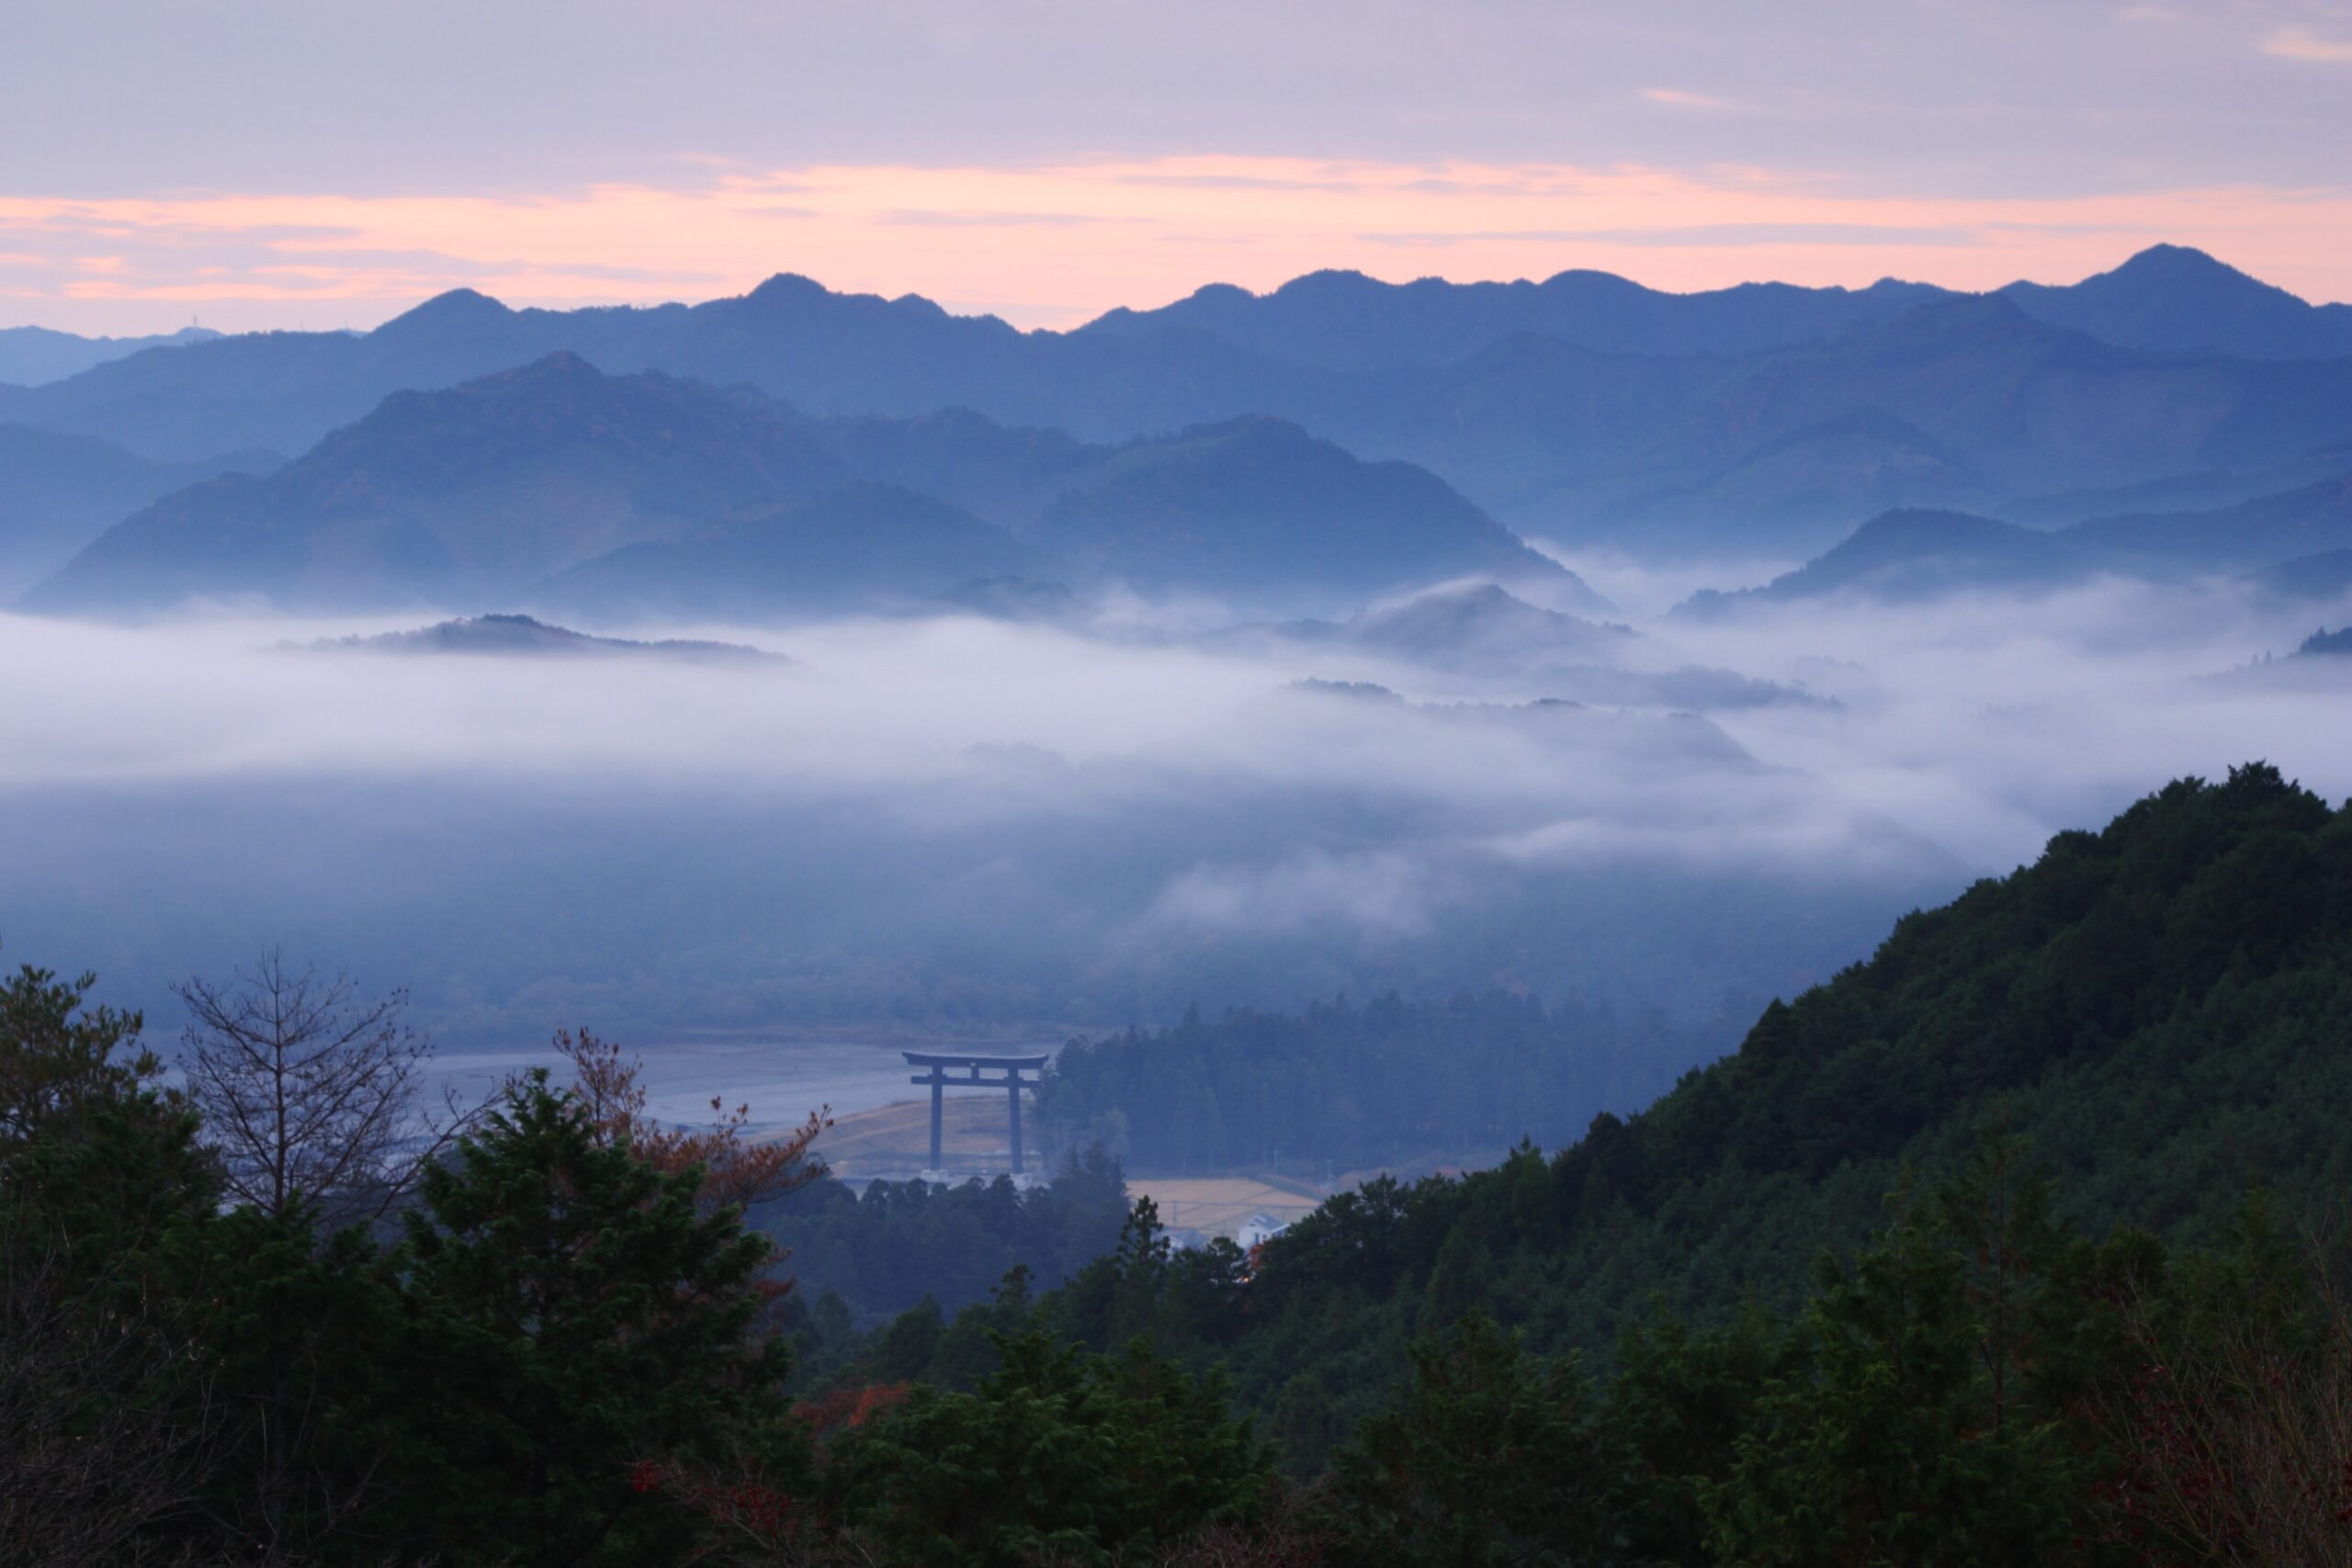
2301,43
1090,235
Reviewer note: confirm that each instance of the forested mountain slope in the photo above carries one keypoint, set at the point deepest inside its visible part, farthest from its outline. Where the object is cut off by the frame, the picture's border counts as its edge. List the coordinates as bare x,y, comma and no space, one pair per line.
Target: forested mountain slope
2158,1011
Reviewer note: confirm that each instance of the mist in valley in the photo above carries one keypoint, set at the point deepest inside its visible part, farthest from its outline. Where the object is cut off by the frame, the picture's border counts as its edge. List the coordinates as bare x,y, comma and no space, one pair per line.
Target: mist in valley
946,825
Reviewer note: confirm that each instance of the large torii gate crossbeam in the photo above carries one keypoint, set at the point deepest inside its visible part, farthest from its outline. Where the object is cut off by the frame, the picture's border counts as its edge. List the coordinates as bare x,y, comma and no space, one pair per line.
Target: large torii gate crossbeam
977,1072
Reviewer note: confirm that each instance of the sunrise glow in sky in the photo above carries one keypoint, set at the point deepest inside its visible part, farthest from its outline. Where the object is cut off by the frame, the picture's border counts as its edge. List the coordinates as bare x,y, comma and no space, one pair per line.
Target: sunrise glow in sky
282,164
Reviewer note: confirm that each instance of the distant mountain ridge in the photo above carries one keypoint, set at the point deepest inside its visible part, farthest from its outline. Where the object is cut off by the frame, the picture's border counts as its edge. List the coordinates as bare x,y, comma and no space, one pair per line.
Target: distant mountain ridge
2166,298
2302,539
1585,409
30,356
644,494
58,492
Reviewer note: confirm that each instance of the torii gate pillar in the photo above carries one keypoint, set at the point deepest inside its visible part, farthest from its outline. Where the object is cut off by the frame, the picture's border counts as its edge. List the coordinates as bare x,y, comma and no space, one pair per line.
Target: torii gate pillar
979,1072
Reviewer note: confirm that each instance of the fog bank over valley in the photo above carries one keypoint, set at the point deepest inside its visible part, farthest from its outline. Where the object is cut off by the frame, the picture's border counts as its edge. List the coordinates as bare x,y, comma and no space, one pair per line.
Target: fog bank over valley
946,824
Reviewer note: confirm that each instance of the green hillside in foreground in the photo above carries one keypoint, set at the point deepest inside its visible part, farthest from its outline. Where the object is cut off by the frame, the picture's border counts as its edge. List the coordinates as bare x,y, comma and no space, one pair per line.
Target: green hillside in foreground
2162,1011
568,1350
2160,1014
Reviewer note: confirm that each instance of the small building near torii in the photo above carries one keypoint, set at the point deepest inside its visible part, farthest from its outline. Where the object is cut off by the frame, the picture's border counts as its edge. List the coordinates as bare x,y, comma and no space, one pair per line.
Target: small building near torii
944,1071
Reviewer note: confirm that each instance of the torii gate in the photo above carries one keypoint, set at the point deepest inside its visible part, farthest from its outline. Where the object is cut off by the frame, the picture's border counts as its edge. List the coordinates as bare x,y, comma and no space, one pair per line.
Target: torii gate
1007,1071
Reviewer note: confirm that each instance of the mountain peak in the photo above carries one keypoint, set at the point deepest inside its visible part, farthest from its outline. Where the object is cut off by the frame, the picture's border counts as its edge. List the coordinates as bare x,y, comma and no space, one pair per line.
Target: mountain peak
2177,299
457,309
788,287
2178,261
560,365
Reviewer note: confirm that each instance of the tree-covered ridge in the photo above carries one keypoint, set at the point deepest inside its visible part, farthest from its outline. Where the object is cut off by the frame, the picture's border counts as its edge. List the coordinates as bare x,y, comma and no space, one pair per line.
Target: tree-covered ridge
571,1351
1389,1081
878,1252
2156,1010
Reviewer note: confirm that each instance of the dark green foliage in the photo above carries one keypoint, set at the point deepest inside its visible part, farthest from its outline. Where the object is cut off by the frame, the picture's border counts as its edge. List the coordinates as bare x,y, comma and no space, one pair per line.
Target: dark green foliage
1789,1370
1490,1457
572,1317
1060,1456
61,1062
105,1412
2155,1009
883,1250
1354,1086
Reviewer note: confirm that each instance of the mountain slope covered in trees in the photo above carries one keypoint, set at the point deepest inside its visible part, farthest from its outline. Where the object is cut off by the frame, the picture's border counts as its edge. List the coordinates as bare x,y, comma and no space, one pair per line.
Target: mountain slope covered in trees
2156,1009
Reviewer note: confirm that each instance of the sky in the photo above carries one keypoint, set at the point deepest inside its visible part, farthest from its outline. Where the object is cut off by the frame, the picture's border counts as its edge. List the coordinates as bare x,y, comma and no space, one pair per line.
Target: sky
282,162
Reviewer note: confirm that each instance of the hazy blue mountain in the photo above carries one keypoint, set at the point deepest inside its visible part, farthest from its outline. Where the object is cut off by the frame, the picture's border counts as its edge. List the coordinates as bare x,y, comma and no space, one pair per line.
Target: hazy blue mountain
1725,435
2174,299
1468,624
865,545
1851,465
457,495
827,353
1345,320
58,492
500,483
32,357
522,637
1005,473
2327,575
1258,504
1024,600
1570,444
1914,555
2167,298
2307,521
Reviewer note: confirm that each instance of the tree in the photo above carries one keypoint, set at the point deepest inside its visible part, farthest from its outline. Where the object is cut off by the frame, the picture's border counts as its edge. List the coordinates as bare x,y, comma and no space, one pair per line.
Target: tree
1892,1439
103,1407
1489,1459
736,1170
309,1094
105,1380
574,1315
1061,1456
310,1101
60,1057
2233,1433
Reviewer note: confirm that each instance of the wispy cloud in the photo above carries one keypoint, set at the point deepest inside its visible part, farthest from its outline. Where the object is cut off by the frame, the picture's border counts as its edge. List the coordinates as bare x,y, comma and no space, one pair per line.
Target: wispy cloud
1681,99
1092,235
2301,43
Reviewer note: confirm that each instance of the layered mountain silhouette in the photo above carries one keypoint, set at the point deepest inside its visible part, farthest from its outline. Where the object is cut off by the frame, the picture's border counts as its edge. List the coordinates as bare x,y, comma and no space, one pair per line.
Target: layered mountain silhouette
471,492
2306,533
58,492
1584,409
1469,623
645,496
2169,299
1236,508
1345,320
2306,521
848,550
1915,555
2325,576
2175,300
33,355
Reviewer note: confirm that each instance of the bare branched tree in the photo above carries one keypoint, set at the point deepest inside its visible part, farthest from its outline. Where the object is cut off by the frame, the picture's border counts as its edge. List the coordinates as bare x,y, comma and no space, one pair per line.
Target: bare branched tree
309,1094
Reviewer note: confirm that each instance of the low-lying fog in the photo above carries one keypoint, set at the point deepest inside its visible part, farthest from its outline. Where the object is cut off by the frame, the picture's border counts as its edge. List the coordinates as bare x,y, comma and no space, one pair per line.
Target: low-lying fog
921,827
